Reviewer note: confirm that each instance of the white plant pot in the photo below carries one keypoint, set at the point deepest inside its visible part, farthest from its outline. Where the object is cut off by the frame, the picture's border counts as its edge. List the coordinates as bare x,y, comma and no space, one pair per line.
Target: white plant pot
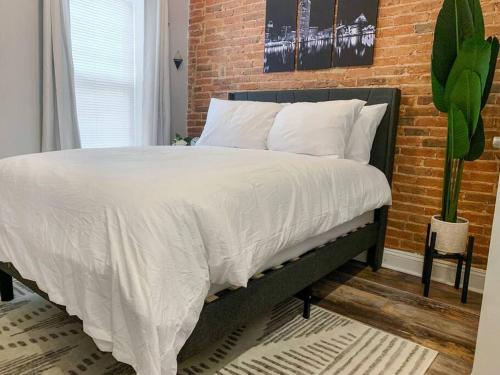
451,238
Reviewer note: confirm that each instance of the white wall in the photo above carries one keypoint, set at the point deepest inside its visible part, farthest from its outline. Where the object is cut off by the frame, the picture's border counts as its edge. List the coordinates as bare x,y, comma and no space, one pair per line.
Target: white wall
20,77
179,23
487,360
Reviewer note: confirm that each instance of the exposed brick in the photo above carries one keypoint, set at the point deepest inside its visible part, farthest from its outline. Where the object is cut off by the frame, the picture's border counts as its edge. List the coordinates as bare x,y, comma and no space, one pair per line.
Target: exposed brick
424,28
226,54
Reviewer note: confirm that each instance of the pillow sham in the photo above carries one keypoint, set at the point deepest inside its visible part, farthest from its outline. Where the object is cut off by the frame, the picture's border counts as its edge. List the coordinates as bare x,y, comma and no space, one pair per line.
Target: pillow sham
240,124
314,128
359,145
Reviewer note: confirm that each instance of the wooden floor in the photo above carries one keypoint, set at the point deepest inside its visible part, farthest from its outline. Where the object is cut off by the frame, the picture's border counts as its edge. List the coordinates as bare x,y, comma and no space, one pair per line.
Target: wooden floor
393,302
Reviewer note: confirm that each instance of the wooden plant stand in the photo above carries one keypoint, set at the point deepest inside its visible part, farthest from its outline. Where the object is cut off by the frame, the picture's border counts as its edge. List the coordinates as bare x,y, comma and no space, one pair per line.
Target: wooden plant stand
431,253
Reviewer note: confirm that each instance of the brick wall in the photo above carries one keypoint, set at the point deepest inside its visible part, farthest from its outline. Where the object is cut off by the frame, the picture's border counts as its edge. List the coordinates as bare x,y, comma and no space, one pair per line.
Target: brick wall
226,54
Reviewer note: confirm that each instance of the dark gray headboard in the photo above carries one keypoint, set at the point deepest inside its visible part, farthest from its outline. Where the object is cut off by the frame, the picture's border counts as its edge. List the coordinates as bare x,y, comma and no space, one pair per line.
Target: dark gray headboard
382,155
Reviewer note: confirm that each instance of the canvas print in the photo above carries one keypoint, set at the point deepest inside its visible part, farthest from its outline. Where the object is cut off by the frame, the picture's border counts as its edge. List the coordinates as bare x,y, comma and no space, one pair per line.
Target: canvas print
355,32
315,34
281,36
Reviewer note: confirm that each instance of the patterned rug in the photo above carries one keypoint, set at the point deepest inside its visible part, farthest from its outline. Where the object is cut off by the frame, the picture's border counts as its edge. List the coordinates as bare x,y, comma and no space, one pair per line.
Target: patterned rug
38,338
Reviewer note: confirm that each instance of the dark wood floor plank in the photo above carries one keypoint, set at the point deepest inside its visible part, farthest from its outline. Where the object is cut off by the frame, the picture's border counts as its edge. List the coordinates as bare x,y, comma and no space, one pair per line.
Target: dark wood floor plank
409,283
397,294
407,305
447,365
392,301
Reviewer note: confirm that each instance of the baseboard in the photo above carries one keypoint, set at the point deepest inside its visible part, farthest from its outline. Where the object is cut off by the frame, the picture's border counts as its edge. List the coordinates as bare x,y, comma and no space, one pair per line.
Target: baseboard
443,272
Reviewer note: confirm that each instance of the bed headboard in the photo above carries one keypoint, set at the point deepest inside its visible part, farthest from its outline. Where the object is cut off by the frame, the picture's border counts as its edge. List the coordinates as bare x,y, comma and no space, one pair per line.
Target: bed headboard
382,155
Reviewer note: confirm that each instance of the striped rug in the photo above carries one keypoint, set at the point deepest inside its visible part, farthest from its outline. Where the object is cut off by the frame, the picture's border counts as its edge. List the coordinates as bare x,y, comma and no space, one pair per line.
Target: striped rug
284,343
38,338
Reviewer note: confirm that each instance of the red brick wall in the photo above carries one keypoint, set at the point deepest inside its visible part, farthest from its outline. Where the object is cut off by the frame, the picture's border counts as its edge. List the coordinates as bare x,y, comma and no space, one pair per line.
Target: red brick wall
226,54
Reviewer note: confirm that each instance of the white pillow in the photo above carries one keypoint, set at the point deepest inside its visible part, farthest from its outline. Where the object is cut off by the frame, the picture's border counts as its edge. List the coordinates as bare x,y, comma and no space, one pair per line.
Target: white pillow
314,128
363,133
241,124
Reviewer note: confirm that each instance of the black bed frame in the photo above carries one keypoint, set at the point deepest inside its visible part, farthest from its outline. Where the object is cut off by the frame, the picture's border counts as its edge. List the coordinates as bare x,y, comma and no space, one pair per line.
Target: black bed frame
230,309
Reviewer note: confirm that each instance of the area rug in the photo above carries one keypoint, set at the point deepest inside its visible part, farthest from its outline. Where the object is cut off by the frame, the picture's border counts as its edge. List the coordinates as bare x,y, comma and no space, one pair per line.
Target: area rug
36,337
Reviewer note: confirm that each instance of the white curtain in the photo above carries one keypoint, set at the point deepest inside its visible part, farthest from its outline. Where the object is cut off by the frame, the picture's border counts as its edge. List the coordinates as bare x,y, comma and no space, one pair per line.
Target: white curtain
156,81
59,117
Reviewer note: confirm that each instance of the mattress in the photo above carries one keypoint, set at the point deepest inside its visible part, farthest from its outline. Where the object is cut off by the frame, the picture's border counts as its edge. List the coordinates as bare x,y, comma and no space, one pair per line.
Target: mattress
130,239
303,247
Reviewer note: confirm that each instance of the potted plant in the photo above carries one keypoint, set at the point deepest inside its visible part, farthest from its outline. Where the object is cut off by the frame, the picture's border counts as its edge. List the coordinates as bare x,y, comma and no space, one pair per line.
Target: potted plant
463,66
179,140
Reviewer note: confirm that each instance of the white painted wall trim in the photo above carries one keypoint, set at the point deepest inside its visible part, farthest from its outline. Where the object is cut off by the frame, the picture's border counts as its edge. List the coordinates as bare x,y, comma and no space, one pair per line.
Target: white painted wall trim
444,272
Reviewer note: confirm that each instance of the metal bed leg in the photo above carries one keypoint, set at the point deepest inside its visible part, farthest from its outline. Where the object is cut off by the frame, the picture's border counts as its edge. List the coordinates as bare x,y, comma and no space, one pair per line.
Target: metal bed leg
307,298
6,287
376,252
375,255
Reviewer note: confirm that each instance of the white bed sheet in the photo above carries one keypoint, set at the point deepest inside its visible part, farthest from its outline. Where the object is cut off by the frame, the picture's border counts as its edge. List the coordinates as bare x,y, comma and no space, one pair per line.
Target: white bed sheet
130,239
303,247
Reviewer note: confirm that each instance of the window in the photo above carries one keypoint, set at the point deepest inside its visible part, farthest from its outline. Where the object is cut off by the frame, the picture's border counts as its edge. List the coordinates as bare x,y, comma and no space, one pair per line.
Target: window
107,45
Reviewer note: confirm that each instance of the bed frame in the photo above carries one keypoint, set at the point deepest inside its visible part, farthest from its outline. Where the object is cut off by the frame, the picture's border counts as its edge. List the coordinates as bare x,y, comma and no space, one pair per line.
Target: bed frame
230,309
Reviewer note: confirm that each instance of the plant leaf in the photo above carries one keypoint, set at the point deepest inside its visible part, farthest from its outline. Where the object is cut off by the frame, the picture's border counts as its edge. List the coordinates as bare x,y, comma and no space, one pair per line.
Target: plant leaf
493,64
477,142
438,94
466,95
454,24
458,133
474,55
477,18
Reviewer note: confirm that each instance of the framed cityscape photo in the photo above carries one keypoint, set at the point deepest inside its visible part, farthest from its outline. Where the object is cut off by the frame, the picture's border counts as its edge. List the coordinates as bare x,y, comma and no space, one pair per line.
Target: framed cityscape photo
355,32
315,34
281,36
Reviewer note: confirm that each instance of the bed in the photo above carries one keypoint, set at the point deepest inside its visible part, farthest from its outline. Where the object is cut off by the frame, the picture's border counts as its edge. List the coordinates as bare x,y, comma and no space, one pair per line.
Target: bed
282,262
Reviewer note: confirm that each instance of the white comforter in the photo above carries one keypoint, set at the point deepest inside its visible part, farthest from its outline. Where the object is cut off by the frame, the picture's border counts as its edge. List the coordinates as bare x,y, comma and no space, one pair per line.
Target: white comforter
130,239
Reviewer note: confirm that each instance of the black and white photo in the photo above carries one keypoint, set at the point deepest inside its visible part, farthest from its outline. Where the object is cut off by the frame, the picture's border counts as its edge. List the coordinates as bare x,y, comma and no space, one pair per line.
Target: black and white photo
355,32
281,36
315,34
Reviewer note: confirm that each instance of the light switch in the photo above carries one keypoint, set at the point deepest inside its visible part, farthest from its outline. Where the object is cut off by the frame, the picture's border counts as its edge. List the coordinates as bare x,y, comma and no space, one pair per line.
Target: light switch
496,142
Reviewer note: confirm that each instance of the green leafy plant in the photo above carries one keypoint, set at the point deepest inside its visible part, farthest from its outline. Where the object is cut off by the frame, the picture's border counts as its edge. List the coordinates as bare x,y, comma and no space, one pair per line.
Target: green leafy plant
179,140
463,66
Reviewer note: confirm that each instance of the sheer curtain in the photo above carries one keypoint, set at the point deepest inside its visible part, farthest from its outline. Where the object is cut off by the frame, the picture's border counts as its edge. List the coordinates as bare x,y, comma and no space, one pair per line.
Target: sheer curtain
120,51
59,117
156,85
